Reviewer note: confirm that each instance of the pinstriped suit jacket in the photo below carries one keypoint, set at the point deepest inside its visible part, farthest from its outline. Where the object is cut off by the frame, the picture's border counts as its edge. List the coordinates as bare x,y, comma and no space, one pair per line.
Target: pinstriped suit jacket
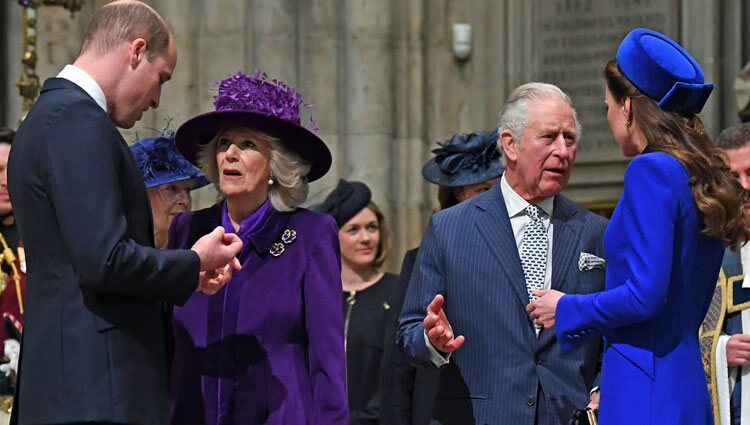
470,256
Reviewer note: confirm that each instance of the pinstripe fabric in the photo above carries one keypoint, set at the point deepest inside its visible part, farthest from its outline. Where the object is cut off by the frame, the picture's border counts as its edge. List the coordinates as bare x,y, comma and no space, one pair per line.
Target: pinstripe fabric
469,255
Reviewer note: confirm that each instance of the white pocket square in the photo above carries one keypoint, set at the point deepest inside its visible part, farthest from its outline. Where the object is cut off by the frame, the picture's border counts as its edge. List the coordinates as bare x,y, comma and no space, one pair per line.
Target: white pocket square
590,261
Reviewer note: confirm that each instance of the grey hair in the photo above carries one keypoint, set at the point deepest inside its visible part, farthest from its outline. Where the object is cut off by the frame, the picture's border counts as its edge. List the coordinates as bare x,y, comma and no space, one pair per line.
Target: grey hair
288,169
734,137
515,113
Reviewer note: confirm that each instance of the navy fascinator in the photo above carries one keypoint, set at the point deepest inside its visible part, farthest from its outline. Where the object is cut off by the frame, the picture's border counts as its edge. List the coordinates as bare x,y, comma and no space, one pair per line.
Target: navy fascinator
160,163
465,159
345,201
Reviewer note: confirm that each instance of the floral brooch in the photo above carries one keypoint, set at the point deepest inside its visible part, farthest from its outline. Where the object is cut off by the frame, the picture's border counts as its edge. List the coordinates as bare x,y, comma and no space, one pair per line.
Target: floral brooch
287,237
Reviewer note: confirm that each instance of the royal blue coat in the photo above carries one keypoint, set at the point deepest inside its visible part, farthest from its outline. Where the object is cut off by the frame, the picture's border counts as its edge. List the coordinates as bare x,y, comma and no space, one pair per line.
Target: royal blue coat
661,274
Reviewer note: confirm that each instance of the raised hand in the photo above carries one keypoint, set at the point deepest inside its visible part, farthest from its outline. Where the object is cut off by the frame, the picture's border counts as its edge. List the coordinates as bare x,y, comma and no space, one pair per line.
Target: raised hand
438,328
738,350
213,280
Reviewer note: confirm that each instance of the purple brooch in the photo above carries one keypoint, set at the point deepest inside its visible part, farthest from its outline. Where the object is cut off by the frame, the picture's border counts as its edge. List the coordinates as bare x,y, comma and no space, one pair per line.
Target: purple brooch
277,249
287,237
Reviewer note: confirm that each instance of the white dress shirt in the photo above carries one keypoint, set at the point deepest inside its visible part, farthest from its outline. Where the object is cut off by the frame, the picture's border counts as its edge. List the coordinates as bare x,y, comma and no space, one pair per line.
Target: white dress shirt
83,80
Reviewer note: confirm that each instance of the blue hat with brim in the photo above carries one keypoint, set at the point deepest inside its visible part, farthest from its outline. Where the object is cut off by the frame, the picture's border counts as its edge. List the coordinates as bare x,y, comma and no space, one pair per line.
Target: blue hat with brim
663,70
465,159
161,163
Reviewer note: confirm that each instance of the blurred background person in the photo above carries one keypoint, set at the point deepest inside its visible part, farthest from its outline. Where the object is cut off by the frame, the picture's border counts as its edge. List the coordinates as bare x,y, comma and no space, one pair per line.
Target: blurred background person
463,167
169,179
725,333
365,243
268,348
12,281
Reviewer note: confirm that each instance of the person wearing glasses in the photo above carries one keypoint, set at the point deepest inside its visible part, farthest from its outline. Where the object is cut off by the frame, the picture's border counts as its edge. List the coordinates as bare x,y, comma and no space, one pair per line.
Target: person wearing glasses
169,179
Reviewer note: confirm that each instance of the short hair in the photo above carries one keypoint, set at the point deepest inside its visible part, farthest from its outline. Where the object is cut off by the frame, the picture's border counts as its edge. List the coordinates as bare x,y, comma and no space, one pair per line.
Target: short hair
734,137
123,21
384,246
290,188
515,113
6,135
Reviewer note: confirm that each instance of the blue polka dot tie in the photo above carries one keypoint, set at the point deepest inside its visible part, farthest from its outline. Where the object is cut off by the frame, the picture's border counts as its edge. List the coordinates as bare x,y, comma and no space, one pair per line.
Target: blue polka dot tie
534,250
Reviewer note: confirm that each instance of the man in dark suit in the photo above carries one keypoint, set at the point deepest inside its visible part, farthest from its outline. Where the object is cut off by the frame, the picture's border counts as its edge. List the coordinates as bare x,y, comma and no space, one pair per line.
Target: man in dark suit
465,309
95,338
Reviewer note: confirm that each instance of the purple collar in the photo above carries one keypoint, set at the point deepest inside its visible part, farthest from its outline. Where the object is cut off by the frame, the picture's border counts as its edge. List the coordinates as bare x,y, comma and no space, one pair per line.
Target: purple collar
261,229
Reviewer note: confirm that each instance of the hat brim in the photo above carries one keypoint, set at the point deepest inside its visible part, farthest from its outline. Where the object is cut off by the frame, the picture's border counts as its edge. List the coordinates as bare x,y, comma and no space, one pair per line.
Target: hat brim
200,129
432,173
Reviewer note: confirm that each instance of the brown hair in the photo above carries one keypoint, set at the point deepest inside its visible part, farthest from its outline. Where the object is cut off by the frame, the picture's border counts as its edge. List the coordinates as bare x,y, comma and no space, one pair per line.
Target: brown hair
6,135
718,195
123,21
447,197
384,246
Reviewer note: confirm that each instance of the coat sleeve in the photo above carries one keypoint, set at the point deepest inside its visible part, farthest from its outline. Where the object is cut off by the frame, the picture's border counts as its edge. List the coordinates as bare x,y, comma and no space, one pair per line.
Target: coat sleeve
83,182
427,280
648,210
324,322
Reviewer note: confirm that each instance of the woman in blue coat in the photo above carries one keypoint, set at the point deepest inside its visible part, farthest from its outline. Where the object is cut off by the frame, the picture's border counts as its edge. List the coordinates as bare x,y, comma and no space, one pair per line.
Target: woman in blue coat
268,348
680,206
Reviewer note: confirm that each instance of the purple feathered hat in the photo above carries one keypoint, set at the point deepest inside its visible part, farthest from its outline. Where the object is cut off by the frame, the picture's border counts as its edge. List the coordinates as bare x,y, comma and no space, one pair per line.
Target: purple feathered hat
259,103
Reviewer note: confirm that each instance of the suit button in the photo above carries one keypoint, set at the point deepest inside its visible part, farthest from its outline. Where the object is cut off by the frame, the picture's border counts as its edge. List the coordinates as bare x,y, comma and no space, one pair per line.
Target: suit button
538,361
531,400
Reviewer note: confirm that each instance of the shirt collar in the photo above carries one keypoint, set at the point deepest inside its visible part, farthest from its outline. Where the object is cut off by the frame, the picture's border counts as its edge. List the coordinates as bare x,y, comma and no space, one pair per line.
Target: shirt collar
516,205
86,82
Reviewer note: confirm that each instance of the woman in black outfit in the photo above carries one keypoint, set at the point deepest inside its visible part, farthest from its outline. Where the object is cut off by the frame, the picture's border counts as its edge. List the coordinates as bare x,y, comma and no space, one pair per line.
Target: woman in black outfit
365,243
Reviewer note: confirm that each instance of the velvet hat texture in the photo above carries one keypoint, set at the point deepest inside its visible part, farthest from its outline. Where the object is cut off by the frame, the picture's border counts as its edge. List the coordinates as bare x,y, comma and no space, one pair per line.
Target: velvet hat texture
663,70
260,103
345,201
465,159
160,163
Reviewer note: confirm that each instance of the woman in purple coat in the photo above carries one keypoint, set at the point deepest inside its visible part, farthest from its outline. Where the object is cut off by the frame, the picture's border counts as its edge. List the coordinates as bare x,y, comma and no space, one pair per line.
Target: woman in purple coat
268,348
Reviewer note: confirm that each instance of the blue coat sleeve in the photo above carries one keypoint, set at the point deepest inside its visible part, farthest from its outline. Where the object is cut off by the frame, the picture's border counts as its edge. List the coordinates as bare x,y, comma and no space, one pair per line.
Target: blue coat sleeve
648,211
325,327
427,280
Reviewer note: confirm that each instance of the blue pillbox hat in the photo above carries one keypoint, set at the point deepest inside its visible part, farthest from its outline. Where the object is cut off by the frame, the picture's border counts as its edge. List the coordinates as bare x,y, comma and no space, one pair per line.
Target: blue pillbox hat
663,70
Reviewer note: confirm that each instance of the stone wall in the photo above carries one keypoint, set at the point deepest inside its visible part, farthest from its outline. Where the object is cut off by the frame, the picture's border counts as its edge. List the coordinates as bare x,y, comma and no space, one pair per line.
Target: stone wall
386,84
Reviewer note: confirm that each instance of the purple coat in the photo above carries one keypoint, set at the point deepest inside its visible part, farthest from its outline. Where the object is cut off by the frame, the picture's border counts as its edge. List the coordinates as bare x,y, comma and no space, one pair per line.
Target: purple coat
269,347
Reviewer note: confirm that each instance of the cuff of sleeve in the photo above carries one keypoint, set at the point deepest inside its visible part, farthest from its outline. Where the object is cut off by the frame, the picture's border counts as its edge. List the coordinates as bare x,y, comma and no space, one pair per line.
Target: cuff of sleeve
435,357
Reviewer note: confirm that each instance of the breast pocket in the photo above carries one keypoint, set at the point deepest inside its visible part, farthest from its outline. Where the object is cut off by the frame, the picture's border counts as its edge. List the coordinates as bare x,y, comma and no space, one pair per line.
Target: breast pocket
590,281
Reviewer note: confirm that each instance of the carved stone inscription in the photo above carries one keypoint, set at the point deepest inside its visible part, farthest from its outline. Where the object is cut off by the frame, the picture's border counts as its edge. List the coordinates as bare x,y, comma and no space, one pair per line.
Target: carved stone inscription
574,41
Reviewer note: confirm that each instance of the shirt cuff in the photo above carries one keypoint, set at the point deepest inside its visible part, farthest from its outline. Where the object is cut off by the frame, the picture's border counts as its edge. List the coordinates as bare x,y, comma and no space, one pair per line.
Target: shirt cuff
436,357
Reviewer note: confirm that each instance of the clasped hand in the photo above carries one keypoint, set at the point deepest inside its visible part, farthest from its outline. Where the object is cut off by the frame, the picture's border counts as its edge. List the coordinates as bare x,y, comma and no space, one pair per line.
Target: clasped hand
218,254
542,310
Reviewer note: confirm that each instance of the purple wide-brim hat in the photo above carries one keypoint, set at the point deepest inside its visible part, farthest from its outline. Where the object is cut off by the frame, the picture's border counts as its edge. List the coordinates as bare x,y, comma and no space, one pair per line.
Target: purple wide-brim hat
262,104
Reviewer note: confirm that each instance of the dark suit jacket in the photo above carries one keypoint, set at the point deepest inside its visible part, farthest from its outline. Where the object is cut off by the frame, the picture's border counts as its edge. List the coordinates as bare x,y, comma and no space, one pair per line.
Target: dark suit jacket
469,255
407,392
94,344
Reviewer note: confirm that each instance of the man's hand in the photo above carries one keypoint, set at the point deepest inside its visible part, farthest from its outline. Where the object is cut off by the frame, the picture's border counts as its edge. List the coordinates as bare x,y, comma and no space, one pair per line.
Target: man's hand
217,249
543,309
213,280
738,350
438,329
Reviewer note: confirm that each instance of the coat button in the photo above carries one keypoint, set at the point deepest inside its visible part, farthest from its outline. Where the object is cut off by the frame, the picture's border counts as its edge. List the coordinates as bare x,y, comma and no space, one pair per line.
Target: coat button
538,361
531,400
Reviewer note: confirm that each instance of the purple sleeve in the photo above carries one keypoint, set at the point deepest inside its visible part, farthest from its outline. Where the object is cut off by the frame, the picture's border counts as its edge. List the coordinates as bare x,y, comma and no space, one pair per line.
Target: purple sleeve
325,327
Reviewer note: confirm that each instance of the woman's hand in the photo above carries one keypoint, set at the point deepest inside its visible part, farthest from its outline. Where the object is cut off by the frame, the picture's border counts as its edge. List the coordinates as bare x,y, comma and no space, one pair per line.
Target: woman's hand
212,280
543,309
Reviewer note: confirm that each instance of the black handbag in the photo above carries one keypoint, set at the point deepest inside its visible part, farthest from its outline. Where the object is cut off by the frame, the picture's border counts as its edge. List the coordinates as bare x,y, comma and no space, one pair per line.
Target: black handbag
585,416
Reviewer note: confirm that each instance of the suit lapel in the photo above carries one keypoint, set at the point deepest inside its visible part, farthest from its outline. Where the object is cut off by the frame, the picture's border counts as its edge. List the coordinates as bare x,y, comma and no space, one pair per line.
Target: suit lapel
493,224
566,232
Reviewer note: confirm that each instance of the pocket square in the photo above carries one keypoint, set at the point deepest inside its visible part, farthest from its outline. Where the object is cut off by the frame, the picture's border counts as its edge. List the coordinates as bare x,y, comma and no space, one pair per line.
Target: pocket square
590,261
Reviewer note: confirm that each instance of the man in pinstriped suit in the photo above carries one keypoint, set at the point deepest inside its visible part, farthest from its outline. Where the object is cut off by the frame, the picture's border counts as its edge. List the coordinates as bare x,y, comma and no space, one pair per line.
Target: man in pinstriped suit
465,306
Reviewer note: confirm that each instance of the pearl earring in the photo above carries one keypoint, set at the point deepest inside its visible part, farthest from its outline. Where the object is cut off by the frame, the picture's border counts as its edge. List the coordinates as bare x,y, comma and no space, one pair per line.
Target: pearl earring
270,180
